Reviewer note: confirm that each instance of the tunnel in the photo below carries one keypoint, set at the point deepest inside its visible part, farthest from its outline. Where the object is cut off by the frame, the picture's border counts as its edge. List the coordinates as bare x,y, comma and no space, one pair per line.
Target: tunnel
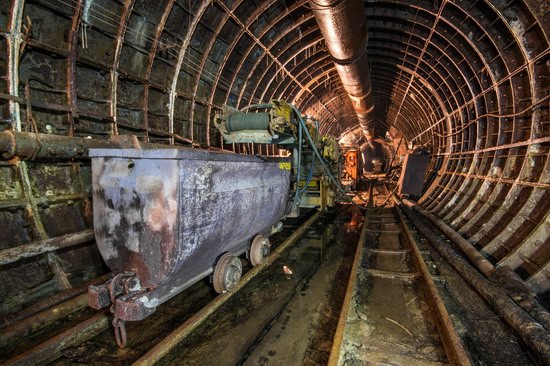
467,82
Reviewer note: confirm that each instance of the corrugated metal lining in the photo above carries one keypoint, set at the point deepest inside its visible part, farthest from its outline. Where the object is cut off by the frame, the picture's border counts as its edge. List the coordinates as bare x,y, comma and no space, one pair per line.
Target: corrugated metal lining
468,78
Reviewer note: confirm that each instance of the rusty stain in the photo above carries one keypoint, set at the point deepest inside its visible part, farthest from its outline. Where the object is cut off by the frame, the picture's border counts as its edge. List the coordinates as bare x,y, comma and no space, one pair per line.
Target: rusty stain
344,30
157,211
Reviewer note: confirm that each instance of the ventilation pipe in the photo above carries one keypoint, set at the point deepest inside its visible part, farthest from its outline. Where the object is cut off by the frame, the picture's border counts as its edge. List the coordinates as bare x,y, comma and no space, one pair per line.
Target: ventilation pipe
342,23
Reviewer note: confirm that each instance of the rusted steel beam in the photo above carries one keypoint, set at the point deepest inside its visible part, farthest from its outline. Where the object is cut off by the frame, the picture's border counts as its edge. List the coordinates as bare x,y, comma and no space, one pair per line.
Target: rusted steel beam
314,80
246,56
38,321
169,342
257,41
298,5
44,246
422,67
495,84
427,42
277,57
530,331
267,53
461,130
394,155
512,145
196,83
181,55
148,71
486,178
464,245
121,33
312,99
71,63
340,328
44,200
51,301
53,348
454,349
35,103
283,81
14,40
34,215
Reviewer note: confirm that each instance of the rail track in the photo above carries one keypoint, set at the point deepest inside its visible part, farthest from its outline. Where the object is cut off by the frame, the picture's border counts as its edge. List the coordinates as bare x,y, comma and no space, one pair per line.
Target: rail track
81,335
341,287
392,312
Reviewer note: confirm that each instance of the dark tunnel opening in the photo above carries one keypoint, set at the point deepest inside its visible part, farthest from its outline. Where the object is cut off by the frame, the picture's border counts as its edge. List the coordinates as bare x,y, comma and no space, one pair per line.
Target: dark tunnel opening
376,158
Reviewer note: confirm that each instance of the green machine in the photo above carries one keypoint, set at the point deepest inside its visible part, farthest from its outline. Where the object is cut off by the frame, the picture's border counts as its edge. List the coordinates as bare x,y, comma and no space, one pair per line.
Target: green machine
315,159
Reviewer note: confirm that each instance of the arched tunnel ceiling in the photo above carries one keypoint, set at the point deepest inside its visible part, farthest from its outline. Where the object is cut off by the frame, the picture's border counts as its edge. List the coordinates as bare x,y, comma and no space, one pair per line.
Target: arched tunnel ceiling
468,79
439,69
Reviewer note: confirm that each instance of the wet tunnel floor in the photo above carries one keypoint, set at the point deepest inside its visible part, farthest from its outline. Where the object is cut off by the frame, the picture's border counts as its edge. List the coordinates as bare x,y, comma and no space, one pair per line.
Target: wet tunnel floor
277,318
281,319
389,320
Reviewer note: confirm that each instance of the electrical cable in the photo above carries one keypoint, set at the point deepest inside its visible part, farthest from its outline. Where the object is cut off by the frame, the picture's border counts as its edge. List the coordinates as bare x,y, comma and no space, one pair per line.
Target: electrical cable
301,128
312,144
312,160
299,158
113,22
310,175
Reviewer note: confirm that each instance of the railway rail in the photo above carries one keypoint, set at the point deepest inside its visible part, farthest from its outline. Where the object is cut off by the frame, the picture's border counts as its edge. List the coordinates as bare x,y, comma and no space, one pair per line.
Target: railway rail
392,311
341,287
78,327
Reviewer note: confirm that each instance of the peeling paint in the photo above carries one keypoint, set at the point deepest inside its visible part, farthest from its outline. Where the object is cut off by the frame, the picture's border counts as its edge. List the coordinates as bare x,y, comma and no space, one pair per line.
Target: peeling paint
166,215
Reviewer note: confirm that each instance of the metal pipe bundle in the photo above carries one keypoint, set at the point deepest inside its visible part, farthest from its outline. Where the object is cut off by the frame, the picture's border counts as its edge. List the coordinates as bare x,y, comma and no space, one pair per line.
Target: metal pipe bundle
343,26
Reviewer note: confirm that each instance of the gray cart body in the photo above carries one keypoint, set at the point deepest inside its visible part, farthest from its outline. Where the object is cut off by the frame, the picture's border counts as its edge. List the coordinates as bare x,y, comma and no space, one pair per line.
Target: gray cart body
166,215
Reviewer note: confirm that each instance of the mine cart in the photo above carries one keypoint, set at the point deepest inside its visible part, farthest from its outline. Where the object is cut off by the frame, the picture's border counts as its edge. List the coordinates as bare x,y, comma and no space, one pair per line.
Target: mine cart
166,218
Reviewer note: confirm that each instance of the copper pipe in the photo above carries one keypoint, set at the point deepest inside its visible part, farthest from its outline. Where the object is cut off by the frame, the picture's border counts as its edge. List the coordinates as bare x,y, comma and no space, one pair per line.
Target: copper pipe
342,23
28,145
38,247
528,329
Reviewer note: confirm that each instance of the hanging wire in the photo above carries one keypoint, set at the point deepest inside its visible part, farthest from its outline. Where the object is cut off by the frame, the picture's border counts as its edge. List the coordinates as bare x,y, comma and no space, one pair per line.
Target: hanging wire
194,62
110,18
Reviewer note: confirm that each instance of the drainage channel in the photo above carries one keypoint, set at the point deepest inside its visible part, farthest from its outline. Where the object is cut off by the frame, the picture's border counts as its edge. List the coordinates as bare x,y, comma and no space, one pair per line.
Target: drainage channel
84,335
284,310
392,312
286,315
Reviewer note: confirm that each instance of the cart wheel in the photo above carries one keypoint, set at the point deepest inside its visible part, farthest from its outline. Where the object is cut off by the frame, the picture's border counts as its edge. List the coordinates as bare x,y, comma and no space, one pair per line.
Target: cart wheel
227,273
259,249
